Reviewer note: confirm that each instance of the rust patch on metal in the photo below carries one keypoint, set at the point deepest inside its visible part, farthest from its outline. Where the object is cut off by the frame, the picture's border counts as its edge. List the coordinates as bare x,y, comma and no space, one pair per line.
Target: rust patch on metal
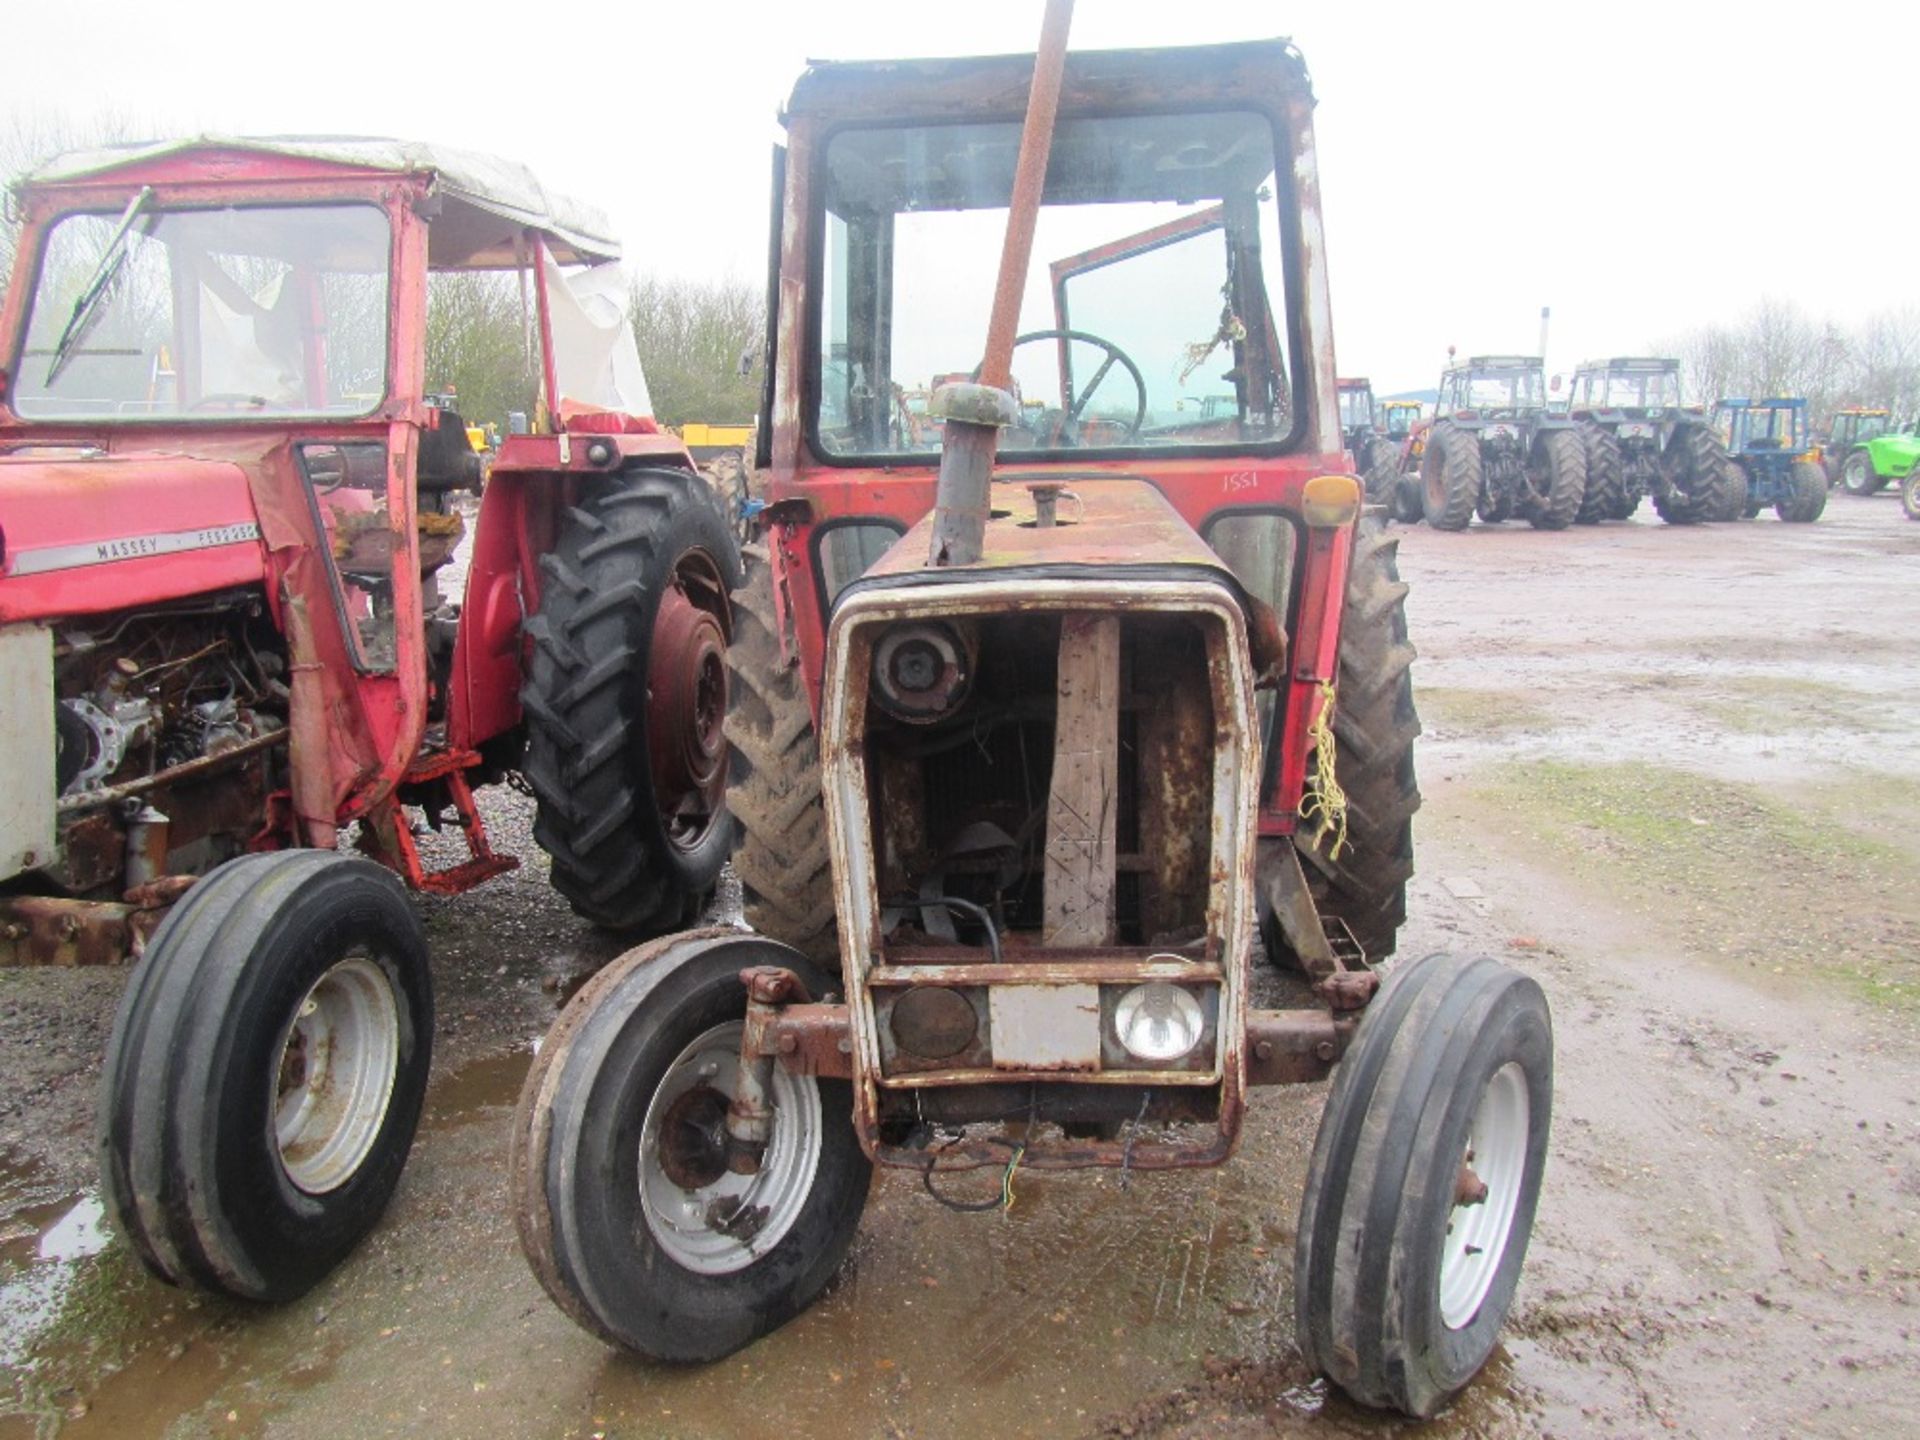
1294,1047
41,930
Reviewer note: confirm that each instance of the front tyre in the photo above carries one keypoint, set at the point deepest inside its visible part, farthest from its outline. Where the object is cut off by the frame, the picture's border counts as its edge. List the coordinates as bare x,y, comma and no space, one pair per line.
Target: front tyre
1403,1270
266,1072
1858,476
625,699
1910,495
625,1205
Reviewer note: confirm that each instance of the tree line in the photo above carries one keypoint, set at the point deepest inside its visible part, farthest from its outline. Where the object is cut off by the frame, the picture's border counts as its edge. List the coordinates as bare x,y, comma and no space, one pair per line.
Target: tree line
1777,348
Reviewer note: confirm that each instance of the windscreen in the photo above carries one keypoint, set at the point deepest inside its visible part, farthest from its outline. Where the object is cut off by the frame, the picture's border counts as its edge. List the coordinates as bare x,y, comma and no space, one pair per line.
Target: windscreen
1154,311
209,314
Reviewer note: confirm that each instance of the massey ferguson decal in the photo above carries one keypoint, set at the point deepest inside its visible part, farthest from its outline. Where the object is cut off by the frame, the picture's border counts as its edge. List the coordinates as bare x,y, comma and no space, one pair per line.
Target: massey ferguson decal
131,547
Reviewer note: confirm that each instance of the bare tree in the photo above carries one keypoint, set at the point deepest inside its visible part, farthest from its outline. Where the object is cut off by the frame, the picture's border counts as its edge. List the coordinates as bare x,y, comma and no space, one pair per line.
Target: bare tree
30,138
692,335
1779,350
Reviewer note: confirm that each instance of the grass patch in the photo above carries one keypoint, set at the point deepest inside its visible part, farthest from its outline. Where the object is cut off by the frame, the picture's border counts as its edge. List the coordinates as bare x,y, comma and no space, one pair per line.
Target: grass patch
1478,712
1783,705
1744,875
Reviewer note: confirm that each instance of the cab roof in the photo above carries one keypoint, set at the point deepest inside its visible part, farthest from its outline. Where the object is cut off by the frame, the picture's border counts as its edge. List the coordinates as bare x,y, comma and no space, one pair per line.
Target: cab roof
487,201
1095,80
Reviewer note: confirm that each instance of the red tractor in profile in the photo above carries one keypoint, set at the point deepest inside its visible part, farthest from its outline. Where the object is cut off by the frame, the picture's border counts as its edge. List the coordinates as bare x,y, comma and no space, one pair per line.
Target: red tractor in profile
235,638
1042,728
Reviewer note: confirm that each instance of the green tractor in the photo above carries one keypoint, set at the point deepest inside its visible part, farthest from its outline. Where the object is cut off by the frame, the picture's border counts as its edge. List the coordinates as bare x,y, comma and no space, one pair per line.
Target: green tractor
1877,461
1843,450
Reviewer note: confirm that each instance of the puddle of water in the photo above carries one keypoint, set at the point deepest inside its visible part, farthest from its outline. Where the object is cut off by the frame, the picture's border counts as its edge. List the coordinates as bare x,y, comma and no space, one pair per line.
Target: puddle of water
476,1087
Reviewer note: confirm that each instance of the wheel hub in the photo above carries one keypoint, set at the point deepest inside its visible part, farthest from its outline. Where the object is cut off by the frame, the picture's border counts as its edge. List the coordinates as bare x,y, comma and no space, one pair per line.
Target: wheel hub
687,704
334,1076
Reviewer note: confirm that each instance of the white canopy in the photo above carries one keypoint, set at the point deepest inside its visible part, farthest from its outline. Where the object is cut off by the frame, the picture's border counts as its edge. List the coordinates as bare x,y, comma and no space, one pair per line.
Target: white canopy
488,200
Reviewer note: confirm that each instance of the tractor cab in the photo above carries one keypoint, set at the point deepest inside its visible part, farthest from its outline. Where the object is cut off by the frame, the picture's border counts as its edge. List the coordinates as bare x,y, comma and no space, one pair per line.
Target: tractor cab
1357,410
1763,427
1399,418
1632,388
1492,388
1856,426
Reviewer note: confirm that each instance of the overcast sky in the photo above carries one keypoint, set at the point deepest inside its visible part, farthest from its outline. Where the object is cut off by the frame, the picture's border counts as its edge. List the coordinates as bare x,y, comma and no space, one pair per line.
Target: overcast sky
1478,161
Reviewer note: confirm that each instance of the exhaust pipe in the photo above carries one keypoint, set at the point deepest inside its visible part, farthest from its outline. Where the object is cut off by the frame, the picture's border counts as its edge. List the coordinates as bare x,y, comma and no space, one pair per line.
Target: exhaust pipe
974,414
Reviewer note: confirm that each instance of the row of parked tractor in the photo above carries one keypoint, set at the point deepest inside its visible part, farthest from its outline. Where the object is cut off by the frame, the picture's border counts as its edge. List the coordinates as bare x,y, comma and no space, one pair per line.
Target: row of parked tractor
1498,448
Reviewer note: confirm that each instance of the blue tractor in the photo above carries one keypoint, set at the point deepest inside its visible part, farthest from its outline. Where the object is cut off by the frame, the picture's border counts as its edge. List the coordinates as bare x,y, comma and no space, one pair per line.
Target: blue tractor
1770,442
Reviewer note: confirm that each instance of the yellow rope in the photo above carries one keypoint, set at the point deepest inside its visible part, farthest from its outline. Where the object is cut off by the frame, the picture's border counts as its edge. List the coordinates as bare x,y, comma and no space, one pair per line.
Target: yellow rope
1006,1180
1325,804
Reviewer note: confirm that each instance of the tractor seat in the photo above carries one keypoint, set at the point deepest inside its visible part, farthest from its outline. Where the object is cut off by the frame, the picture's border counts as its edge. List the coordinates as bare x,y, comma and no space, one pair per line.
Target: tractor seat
447,460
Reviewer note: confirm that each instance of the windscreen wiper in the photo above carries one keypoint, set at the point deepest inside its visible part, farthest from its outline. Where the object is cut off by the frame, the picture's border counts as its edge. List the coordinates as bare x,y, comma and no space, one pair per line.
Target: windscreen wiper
87,308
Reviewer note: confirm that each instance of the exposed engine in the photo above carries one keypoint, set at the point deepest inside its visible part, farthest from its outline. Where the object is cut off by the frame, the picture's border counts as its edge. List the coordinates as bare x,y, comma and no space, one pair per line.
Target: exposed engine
146,704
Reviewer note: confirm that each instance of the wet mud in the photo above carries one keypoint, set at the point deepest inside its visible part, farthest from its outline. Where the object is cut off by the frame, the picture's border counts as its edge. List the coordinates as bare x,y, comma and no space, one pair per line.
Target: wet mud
1667,772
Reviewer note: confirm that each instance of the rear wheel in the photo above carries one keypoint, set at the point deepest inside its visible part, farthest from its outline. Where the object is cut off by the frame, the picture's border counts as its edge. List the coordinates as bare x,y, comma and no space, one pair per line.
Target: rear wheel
1381,469
1450,477
1557,477
1807,494
626,1206
625,698
1425,1174
1374,727
784,868
1858,475
1698,481
266,1073
1606,478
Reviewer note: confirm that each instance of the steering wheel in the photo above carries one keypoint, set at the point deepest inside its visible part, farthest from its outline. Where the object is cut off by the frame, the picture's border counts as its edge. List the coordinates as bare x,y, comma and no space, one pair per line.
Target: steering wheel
228,397
1068,425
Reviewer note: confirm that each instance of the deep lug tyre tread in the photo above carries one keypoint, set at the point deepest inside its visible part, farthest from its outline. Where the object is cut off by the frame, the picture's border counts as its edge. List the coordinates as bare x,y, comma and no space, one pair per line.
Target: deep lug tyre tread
586,701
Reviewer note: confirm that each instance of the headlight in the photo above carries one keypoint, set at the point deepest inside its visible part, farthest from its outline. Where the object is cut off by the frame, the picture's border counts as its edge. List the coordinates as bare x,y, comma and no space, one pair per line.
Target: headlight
1158,1023
921,672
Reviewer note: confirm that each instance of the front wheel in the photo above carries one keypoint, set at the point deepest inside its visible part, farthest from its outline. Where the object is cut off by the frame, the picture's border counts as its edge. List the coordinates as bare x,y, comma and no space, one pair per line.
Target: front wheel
626,1206
1858,476
266,1073
1806,495
1425,1175
1910,495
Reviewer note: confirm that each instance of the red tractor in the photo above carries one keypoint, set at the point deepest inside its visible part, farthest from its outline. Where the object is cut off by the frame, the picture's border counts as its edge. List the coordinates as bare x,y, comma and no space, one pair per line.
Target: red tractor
1040,728
230,507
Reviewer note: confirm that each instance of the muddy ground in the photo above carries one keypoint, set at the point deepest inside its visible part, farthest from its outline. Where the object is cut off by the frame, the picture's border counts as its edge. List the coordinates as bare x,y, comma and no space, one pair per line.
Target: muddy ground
1670,772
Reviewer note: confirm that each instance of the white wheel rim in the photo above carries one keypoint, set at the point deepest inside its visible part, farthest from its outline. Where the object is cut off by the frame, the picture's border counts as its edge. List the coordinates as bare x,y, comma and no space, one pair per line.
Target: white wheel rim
1477,1235
334,1073
687,1112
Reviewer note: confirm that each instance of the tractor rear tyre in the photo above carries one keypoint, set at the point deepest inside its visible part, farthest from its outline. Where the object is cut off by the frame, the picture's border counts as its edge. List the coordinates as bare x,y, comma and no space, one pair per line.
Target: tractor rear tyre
1557,476
786,879
1859,477
266,1072
1374,727
1407,504
628,1207
1606,490
1699,481
1450,477
1910,495
1807,494
625,697
1379,470
1420,1196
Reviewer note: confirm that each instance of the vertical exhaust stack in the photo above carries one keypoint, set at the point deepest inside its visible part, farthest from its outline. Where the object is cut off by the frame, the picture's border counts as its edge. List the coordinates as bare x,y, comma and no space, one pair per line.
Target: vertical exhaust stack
974,414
